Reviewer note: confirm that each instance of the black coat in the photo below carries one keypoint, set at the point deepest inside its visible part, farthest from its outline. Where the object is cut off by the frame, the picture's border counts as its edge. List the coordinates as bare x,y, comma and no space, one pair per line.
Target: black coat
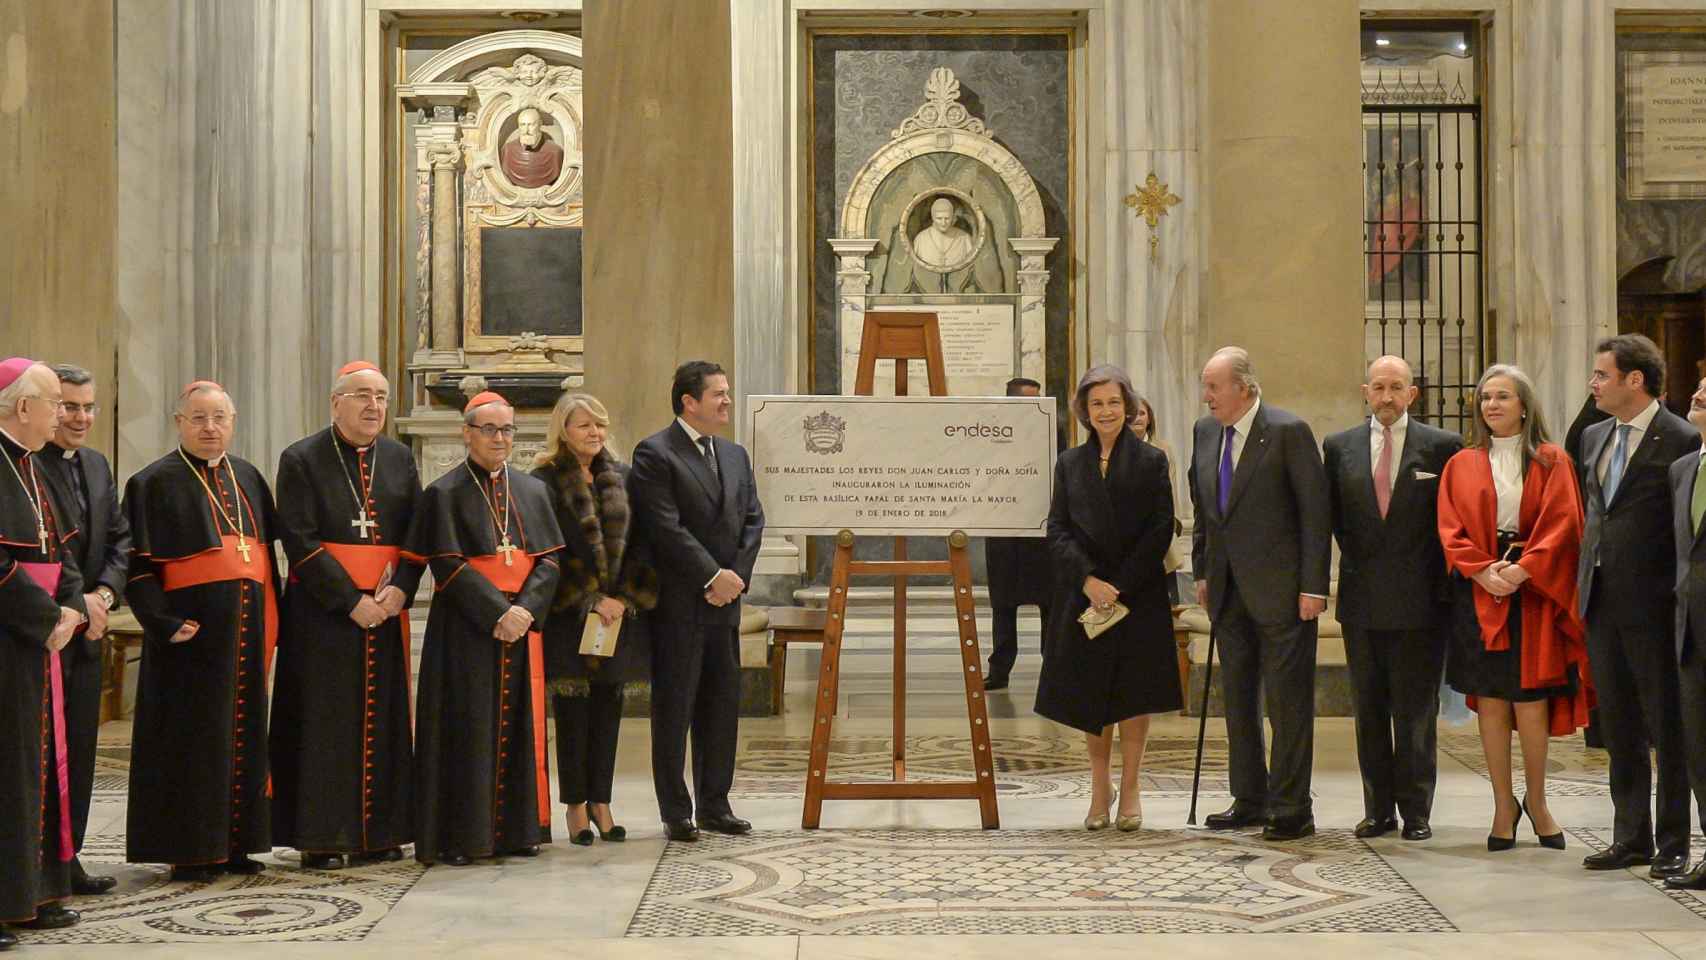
103,543
1118,529
1377,555
603,556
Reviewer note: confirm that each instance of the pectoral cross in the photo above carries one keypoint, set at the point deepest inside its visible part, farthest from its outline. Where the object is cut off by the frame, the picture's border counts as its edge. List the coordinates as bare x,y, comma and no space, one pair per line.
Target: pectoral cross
364,526
41,534
243,547
508,550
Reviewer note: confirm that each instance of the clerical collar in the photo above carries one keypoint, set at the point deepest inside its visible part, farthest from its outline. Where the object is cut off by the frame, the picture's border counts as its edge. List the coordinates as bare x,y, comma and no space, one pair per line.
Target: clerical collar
66,453
14,441
346,441
479,469
211,464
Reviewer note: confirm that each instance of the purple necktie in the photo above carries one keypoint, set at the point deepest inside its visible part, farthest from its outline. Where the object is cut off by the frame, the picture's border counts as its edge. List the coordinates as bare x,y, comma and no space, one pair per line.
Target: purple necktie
1226,469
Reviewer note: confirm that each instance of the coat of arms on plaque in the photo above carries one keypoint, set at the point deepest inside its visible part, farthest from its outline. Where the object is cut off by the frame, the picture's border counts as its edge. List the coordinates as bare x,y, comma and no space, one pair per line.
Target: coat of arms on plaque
824,433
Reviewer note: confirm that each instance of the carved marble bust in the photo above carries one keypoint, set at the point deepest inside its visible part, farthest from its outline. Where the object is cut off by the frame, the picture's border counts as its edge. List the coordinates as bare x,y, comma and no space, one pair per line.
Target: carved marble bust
942,245
531,158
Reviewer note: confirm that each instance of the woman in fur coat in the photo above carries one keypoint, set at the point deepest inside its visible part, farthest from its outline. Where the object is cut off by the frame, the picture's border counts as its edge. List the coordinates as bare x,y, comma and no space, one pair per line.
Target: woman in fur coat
608,575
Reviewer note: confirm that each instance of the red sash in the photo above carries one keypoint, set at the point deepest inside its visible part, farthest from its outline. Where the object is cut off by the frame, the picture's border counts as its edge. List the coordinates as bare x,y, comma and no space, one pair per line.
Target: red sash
46,576
509,578
223,565
366,564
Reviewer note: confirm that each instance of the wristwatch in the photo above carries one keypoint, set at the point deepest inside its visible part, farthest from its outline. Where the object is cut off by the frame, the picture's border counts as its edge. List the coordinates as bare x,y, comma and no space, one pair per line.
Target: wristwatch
106,594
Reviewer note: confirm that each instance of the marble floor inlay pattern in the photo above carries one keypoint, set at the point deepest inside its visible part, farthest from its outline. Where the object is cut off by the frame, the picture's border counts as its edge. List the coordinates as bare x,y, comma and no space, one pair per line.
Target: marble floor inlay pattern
1029,767
911,882
1573,769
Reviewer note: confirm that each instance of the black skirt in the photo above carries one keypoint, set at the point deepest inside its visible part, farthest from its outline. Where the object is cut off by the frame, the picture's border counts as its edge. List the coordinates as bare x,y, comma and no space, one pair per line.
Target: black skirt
1473,670
1129,671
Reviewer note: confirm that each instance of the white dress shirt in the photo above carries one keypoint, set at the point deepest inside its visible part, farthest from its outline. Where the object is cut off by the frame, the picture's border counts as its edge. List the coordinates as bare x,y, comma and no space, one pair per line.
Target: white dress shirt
1506,455
694,436
1240,433
1637,429
1378,442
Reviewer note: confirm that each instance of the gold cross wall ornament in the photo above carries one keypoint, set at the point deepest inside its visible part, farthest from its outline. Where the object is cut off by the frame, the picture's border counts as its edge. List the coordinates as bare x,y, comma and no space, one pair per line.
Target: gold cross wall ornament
1151,202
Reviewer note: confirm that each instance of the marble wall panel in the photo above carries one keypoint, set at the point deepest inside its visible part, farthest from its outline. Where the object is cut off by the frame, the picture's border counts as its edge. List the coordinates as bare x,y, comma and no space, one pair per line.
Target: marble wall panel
863,86
1650,228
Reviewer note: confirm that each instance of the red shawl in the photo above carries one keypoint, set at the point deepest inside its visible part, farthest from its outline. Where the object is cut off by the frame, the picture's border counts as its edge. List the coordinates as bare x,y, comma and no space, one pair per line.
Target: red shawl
1553,637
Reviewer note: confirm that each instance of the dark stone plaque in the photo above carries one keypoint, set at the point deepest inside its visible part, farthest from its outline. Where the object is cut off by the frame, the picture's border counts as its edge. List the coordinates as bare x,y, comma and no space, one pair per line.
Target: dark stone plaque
530,281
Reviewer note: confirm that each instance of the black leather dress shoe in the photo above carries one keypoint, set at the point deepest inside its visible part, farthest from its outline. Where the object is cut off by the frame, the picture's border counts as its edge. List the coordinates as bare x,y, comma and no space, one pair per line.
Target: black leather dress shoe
8,939
1694,879
387,855
86,886
726,823
1233,817
1289,828
1370,827
196,873
1667,865
454,859
1618,856
322,861
244,865
528,851
681,830
995,683
52,917
1417,829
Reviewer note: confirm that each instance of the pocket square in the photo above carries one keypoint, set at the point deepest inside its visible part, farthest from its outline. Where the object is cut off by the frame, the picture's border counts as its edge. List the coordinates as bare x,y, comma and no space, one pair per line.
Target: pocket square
1424,475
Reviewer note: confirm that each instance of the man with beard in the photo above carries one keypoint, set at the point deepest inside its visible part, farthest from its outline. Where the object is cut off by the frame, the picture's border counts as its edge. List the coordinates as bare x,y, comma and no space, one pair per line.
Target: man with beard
342,754
41,592
492,540
103,554
201,585
530,158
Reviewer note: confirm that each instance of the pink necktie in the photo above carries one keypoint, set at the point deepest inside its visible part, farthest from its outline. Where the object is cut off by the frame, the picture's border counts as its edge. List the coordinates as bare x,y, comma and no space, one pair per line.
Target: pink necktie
1383,472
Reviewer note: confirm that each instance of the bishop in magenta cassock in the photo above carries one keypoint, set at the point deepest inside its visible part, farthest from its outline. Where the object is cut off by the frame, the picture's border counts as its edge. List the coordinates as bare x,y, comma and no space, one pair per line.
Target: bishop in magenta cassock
492,540
41,594
342,751
201,585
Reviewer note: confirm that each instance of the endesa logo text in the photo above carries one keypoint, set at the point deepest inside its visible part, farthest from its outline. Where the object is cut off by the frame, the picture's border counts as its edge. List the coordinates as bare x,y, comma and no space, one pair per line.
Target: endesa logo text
979,431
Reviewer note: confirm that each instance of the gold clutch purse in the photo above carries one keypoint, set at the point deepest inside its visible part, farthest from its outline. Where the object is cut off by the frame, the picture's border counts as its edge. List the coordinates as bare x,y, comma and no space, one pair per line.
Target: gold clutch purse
1097,622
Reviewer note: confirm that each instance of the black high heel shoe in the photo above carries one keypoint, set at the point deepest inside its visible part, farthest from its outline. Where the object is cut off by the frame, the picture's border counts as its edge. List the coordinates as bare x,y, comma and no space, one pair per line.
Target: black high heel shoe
1496,844
616,834
1551,841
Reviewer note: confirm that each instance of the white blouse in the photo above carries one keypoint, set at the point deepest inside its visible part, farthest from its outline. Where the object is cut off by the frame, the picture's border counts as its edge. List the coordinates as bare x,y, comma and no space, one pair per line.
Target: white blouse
1507,481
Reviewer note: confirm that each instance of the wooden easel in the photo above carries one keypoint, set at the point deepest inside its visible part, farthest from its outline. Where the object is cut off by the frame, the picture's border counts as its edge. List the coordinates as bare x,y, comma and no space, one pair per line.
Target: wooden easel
900,337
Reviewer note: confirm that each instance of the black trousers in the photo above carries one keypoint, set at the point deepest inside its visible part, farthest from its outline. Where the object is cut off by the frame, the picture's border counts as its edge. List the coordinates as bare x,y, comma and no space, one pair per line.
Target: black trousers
1395,677
1004,622
1635,673
587,733
1691,676
695,693
1276,661
82,677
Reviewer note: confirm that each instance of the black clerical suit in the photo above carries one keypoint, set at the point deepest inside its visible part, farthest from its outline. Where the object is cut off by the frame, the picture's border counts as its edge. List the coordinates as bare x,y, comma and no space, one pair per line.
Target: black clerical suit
1394,606
1690,624
1624,587
1271,542
700,517
103,553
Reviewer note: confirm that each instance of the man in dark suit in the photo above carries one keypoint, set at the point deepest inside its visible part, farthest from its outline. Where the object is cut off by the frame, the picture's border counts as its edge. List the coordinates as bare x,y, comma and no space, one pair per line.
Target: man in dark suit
1019,574
1260,553
103,553
1688,489
1625,592
1383,483
697,499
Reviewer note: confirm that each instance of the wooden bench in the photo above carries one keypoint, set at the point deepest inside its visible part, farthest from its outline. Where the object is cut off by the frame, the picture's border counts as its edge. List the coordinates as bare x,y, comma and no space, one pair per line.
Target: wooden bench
124,634
790,625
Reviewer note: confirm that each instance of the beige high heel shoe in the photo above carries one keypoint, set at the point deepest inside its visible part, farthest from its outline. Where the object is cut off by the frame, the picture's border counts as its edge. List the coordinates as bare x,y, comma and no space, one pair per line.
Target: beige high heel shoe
1127,824
1100,821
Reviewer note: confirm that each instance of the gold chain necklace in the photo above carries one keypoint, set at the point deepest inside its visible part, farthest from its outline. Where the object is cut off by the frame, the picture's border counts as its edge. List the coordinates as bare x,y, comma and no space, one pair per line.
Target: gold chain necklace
35,500
237,525
505,547
362,524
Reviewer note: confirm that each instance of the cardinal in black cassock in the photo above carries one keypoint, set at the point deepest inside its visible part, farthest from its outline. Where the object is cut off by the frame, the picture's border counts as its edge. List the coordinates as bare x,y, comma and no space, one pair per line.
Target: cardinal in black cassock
491,538
342,751
202,586
41,593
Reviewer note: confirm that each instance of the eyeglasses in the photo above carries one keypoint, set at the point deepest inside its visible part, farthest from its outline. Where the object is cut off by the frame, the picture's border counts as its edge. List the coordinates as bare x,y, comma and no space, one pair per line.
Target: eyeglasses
72,409
492,430
201,422
367,398
58,405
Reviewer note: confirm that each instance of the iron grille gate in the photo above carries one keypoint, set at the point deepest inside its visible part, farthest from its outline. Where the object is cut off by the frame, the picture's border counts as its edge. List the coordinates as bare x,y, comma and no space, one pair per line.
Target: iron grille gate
1423,242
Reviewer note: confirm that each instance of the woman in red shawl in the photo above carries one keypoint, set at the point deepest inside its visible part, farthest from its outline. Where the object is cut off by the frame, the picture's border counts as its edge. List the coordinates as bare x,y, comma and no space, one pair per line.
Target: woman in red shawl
1510,523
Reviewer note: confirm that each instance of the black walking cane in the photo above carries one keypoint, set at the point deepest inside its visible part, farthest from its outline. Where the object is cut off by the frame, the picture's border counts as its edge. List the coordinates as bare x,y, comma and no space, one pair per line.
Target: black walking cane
1202,724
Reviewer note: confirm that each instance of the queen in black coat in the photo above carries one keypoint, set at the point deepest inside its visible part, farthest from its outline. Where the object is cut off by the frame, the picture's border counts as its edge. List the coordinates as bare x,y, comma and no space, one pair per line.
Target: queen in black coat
1109,526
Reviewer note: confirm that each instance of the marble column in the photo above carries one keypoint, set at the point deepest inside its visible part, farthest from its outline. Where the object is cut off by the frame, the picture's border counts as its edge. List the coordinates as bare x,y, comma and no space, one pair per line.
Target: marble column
1144,119
1282,198
446,265
1564,181
239,206
659,201
57,163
